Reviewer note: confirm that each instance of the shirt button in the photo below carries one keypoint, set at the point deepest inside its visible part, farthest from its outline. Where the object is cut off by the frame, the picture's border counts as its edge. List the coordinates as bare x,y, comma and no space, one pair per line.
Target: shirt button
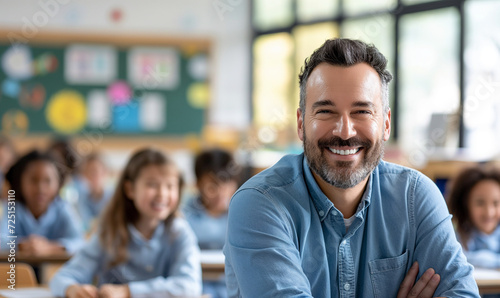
335,213
321,213
347,286
343,243
149,268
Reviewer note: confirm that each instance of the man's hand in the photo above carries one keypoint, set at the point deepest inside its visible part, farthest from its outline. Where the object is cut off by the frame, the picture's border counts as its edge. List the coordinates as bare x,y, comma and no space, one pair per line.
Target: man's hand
423,288
114,291
81,291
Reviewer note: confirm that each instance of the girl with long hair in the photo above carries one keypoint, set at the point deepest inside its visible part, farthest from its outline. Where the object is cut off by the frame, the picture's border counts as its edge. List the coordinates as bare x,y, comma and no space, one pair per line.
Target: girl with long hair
142,245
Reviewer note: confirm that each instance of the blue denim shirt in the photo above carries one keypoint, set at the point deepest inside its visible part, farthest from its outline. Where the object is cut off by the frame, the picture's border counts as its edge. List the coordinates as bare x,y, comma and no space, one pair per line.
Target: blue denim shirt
169,262
286,239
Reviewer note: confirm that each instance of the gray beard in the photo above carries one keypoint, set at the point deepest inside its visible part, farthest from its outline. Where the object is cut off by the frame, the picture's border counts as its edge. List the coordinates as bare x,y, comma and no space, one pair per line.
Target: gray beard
342,175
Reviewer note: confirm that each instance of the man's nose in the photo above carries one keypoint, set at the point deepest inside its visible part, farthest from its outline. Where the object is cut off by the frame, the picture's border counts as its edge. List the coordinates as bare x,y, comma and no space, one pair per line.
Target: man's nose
344,128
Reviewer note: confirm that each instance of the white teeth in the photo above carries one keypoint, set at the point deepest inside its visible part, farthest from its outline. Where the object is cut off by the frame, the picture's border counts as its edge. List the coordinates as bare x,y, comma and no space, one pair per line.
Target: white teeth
344,152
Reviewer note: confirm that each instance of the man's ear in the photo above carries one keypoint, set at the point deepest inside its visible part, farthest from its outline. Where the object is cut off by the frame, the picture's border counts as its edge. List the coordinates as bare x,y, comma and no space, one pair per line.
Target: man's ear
387,126
300,124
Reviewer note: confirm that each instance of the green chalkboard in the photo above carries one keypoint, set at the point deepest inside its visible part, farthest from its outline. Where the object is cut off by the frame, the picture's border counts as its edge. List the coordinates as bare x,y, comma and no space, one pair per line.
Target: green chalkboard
36,73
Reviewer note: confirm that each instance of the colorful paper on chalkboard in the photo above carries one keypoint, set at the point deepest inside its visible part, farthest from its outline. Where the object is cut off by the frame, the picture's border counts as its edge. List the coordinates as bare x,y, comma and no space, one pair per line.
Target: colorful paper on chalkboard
89,64
153,68
15,122
66,112
45,64
119,93
198,95
32,96
17,62
126,118
11,88
152,112
198,67
99,109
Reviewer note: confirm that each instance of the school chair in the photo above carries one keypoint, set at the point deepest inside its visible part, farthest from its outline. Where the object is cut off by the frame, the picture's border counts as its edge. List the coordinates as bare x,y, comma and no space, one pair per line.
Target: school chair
22,275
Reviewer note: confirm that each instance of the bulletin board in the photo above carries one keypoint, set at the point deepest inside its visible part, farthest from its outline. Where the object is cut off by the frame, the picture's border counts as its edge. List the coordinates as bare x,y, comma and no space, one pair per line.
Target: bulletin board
74,84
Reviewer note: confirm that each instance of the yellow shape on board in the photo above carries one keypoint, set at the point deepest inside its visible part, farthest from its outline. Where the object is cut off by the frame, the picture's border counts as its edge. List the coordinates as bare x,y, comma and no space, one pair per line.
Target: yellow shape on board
198,95
66,112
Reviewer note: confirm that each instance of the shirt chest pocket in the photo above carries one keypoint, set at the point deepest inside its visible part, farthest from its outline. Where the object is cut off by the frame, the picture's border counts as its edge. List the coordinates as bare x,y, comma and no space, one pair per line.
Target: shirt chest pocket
387,274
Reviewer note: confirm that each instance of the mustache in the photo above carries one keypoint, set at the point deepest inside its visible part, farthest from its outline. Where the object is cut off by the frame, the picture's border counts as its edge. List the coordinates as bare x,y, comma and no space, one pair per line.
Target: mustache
339,142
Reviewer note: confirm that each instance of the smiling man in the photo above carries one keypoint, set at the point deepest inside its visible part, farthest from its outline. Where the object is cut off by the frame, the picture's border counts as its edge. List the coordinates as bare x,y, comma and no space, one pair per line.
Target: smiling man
336,221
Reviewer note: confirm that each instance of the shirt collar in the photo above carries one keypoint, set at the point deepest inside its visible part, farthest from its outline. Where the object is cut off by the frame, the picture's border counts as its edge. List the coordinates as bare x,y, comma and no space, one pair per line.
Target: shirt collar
138,238
321,202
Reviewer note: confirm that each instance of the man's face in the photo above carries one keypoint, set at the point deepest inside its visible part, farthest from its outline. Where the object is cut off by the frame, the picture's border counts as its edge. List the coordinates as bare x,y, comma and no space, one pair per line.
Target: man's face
343,127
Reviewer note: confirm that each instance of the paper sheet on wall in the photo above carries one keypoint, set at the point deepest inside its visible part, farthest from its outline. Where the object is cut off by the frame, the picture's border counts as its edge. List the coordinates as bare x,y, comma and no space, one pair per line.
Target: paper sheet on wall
152,115
99,110
153,68
89,64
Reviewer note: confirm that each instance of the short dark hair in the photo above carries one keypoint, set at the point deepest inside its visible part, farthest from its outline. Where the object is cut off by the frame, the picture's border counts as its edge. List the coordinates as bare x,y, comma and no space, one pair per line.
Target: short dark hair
216,162
66,154
14,175
346,52
459,196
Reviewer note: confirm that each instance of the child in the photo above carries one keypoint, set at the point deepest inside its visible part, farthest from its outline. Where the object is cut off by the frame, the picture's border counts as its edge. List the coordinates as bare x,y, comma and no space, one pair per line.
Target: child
474,202
93,195
142,245
217,180
43,222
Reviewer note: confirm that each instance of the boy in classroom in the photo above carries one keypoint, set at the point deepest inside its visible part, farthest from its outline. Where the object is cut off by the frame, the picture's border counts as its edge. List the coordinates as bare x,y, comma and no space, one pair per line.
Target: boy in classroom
93,191
141,246
474,202
217,178
44,223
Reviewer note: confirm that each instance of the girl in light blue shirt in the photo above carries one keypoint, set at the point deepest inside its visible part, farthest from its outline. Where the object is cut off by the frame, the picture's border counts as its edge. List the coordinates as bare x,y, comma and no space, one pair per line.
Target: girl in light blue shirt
42,223
142,245
474,202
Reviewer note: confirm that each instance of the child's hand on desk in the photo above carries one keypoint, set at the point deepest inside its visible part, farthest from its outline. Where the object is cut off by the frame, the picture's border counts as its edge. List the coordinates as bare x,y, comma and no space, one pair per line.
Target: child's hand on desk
81,291
39,246
114,291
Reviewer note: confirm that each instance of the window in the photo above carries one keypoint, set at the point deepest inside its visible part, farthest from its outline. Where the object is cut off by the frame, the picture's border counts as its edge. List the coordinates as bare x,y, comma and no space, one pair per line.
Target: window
444,54
309,10
482,79
429,79
272,84
272,14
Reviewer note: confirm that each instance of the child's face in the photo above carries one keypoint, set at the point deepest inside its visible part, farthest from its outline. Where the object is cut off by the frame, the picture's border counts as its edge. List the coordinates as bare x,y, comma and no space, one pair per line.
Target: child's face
484,206
95,173
39,186
155,193
216,193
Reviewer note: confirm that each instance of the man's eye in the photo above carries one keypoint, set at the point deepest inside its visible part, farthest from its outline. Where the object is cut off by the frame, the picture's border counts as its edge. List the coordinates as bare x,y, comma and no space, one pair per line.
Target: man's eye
363,112
323,112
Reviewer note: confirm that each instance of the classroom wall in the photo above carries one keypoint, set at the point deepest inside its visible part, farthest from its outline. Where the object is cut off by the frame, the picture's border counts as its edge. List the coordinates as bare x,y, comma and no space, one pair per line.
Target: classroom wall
225,22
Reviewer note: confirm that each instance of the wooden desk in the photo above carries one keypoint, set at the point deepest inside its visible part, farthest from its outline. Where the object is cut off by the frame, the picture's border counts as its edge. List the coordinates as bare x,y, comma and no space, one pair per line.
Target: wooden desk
37,260
488,280
43,292
212,264
47,265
